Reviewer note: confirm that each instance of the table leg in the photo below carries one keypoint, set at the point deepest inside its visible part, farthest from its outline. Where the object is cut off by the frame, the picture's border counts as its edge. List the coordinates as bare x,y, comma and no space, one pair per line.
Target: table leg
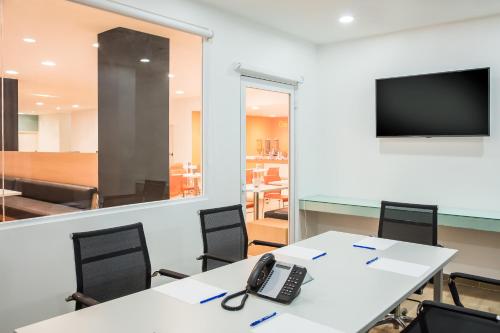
256,206
438,286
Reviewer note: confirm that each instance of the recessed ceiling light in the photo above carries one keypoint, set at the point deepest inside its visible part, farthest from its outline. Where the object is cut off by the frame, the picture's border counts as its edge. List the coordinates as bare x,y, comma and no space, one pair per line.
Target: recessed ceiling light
272,115
96,45
75,106
58,108
255,107
45,95
39,103
346,19
49,63
171,76
179,92
145,60
29,40
11,72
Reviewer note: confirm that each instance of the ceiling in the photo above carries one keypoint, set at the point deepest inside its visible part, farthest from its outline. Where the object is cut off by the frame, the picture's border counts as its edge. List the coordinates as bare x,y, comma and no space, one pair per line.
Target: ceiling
266,103
64,33
317,20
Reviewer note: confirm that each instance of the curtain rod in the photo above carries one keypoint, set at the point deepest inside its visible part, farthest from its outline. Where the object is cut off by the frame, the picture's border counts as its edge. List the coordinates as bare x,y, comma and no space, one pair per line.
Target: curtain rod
134,12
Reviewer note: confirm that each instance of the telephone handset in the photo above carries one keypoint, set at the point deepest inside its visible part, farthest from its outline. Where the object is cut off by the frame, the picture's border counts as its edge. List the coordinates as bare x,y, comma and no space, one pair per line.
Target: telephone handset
272,280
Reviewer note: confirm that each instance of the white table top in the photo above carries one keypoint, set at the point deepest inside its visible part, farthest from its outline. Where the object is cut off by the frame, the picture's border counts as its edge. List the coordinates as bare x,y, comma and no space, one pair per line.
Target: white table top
192,175
345,294
265,188
279,182
8,193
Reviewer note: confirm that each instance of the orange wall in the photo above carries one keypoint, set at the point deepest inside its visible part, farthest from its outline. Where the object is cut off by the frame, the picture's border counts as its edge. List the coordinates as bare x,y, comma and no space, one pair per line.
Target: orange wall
266,128
67,168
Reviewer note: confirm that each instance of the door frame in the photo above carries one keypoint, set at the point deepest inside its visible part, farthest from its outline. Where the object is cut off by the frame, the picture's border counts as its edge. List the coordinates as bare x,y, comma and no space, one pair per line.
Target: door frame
290,89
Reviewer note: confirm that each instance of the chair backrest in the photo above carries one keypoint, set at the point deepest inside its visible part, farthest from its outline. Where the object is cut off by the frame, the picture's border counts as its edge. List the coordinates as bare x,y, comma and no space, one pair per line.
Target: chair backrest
224,235
175,185
154,190
111,263
438,317
275,171
249,176
408,222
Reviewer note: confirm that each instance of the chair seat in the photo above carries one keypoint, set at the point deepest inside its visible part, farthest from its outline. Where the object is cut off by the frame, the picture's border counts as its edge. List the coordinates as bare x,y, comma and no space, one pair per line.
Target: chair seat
281,214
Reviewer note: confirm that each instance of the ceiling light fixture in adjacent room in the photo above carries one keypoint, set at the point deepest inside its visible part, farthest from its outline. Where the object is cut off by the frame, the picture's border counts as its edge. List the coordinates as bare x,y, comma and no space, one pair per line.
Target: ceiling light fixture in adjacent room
179,92
345,19
48,63
255,107
145,60
39,103
11,72
75,106
45,95
29,40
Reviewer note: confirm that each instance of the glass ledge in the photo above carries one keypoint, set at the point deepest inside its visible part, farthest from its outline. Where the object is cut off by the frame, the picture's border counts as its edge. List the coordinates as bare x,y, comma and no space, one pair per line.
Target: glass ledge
447,216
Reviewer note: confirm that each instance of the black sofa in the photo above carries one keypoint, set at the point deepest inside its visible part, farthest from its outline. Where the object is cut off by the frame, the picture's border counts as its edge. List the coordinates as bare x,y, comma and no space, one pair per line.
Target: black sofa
42,198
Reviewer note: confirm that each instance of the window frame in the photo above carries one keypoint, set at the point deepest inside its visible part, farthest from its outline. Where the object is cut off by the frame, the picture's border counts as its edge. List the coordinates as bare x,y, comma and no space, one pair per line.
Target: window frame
139,14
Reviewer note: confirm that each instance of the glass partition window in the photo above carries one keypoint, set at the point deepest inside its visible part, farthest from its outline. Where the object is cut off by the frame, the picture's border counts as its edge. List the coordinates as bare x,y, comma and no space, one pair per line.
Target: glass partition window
99,110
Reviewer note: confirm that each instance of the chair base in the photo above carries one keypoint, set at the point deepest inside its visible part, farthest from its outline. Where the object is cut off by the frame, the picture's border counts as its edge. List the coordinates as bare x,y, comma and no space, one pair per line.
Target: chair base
397,318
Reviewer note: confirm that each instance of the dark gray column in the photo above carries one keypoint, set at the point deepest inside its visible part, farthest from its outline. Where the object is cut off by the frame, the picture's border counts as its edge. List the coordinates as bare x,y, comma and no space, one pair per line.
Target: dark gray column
10,114
133,117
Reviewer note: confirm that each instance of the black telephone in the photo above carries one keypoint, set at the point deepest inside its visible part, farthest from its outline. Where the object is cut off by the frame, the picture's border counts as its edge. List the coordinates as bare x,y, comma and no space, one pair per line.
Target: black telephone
272,280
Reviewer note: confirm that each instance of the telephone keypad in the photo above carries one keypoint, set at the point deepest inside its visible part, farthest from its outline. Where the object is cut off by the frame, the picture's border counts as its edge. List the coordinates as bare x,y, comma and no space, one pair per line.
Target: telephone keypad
292,285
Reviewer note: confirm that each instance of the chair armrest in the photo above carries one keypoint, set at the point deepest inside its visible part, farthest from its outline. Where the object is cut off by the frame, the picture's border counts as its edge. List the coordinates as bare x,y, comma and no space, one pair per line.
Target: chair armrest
452,308
209,256
265,243
169,273
453,287
81,298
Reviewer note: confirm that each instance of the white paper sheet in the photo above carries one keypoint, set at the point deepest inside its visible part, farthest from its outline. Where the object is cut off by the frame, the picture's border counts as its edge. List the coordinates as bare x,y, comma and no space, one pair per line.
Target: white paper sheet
288,323
189,290
298,252
376,243
400,267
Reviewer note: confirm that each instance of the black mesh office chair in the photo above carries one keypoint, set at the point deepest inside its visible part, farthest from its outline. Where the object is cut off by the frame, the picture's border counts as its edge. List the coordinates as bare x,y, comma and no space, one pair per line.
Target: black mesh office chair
453,286
438,318
408,223
225,238
112,263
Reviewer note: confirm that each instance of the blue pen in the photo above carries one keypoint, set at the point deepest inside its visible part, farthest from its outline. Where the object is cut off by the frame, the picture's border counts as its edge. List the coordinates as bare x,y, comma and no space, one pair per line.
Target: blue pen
212,298
364,247
319,256
372,260
257,322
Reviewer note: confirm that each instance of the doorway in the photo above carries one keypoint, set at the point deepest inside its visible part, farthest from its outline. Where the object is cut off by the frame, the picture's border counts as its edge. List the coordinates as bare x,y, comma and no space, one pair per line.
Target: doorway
267,161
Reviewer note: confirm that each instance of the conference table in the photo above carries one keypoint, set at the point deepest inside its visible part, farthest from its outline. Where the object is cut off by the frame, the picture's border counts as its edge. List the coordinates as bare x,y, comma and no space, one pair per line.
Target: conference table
262,188
345,294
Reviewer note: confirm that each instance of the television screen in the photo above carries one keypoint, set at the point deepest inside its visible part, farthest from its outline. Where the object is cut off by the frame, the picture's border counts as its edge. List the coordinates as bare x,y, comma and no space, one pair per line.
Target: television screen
441,104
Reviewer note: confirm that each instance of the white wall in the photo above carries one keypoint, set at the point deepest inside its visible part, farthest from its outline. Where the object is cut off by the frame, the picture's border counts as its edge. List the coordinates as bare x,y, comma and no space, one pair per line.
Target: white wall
36,261
84,131
456,172
28,141
452,172
48,133
181,121
54,132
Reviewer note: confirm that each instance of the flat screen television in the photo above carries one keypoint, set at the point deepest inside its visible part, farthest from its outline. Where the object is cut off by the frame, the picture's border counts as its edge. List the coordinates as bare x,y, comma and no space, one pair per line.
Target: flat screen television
440,104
